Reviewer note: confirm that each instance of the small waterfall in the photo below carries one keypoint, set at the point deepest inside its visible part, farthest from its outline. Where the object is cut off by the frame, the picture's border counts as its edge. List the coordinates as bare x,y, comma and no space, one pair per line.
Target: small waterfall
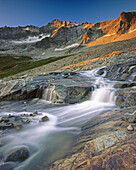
104,94
48,94
104,91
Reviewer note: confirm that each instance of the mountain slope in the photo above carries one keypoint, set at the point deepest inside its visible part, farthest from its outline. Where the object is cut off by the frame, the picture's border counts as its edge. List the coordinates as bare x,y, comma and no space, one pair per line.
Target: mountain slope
80,41
125,24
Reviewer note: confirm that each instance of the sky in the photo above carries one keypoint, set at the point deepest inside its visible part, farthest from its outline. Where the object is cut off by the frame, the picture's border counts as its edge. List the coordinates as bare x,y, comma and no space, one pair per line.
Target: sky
41,12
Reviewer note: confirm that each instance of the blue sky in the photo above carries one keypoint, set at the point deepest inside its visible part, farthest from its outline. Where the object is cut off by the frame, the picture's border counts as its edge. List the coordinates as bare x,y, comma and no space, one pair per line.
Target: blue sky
40,12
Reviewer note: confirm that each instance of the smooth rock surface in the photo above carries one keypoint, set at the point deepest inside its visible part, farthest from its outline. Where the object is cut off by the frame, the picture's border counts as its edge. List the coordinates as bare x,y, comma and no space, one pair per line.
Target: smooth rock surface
17,154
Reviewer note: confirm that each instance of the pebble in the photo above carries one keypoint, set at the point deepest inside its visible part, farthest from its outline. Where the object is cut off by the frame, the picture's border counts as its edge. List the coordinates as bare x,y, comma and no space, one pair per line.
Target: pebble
18,127
130,128
25,120
44,119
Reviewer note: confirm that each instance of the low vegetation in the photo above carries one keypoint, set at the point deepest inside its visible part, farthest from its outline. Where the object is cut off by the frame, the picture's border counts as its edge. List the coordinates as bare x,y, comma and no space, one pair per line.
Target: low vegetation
10,65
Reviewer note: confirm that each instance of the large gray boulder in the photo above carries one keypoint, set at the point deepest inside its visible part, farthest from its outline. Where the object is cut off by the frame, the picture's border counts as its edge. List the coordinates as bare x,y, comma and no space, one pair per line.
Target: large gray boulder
17,154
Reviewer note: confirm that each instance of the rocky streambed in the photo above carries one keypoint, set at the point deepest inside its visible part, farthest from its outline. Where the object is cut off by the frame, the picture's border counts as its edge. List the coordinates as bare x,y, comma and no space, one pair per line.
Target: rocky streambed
81,117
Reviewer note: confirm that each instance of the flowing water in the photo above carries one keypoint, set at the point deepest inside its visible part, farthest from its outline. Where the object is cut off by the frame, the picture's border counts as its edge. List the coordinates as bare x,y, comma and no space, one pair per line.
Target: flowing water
49,141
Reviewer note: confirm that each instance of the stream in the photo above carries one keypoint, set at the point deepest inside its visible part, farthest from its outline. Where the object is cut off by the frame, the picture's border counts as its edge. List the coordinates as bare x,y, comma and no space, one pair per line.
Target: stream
51,140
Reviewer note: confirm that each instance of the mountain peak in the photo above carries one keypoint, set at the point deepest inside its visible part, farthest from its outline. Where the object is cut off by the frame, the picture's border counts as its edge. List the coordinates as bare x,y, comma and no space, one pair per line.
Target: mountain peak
127,16
127,20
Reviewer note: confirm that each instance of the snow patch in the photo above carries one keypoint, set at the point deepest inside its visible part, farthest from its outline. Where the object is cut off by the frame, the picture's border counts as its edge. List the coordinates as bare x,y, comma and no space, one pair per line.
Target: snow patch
67,47
27,29
43,53
32,39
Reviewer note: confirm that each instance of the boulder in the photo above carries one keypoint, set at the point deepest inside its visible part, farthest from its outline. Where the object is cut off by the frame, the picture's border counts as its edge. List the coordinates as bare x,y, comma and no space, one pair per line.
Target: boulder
17,154
76,94
70,94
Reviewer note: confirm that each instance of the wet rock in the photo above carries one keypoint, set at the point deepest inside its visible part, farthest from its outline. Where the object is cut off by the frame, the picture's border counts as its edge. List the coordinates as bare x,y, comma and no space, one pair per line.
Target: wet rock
75,94
5,120
10,116
65,76
17,154
18,127
72,73
130,128
71,94
6,166
55,73
24,115
34,114
44,119
4,126
101,71
125,85
25,120
66,73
